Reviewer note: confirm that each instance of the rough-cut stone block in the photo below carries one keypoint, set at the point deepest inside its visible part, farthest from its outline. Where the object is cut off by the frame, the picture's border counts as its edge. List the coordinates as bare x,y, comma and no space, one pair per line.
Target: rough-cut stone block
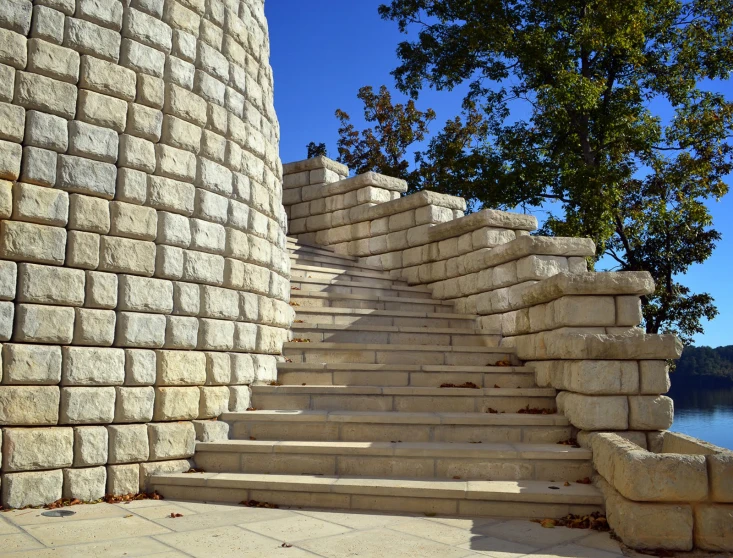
245,337
90,214
720,467
84,176
39,204
106,13
142,294
90,366
147,30
102,110
240,399
87,485
171,440
32,449
186,299
140,330
714,528
123,479
31,364
216,335
44,324
6,199
108,79
200,267
125,255
654,377
181,368
91,39
144,122
176,403
32,489
7,83
219,303
13,49
53,61
41,284
29,406
39,166
650,412
141,58
16,16
243,369
101,290
181,332
7,315
173,230
35,92
134,404
213,402
150,91
90,446
211,430
589,412
140,367
218,369
82,250
147,470
165,194
169,262
128,443
87,405
46,131
93,142
10,158
12,122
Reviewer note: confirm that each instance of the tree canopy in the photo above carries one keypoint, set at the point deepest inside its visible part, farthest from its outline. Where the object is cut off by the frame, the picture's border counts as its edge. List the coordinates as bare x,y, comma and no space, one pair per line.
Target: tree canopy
597,110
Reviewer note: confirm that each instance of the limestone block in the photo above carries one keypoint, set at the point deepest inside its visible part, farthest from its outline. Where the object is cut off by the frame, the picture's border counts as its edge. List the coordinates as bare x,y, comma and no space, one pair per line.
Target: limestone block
176,164
720,469
7,82
216,335
16,16
142,294
176,403
184,44
137,153
102,110
589,412
46,131
65,6
211,430
41,93
239,399
93,142
41,284
91,39
31,489
214,147
31,364
123,479
147,30
53,61
186,299
179,72
219,369
171,195
6,199
38,204
181,368
185,105
8,279
150,91
128,443
13,49
147,470
219,303
90,446
207,237
209,88
141,58
249,307
134,404
140,367
44,324
265,368
169,262
245,337
654,377
82,250
87,405
90,214
29,406
38,166
181,134
140,330
213,402
124,255
200,267
212,61
12,122
173,230
181,332
171,440
144,122
650,412
628,311
211,207
107,13
10,157
133,221
213,177
91,366
32,449
85,176
270,339
107,79
714,528
101,290
87,485
94,327
7,315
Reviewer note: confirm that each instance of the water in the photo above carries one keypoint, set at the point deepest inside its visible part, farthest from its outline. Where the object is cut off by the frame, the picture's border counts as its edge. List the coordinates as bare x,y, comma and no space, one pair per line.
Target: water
704,412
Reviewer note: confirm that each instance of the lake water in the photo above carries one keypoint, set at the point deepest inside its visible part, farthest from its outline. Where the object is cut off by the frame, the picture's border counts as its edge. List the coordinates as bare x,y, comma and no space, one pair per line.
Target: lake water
705,413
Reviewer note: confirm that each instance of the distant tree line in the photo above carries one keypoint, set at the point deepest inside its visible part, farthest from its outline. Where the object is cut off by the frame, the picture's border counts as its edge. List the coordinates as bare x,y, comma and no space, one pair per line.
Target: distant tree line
705,365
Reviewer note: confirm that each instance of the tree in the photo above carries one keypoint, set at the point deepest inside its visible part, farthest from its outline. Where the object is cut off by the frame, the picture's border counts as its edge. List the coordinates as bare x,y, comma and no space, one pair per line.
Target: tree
615,132
383,148
316,150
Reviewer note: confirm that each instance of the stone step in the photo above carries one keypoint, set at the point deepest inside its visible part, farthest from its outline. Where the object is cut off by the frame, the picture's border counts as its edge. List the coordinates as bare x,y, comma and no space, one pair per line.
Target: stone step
310,285
367,353
382,279
405,303
402,399
396,318
300,248
397,459
387,426
400,375
357,333
331,261
522,499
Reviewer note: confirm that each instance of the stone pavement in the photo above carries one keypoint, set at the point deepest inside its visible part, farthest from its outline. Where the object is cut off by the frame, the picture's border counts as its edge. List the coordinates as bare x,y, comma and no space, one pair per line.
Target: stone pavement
145,528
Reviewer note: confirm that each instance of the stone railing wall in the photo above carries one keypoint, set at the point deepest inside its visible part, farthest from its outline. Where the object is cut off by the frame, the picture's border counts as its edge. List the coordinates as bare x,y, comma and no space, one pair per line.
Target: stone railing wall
143,277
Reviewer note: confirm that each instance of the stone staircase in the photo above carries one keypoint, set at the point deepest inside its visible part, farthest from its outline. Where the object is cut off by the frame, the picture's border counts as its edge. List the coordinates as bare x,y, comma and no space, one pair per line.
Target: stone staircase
359,420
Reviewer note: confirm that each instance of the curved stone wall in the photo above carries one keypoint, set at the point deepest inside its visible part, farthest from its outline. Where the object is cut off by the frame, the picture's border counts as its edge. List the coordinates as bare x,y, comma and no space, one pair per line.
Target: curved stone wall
144,282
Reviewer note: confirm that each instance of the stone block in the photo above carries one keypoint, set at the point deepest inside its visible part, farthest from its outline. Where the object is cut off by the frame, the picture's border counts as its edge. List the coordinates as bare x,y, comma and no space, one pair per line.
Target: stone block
181,368
176,403
147,30
181,332
108,79
200,267
654,377
87,405
240,399
141,58
10,158
39,204
29,406
88,213
85,176
714,528
128,443
31,364
650,412
46,131
171,440
33,449
175,163
213,402
102,110
145,331
219,369
132,186
173,230
150,91
16,16
219,303
211,430
147,470
169,262
213,177
123,479
82,250
44,324
7,83
90,446
212,207
186,299
6,199
87,485
53,61
94,327
144,122
720,468
133,221
101,290
107,13
13,49
31,489
93,142
39,166
181,134
125,255
91,366
12,122
140,367
137,153
174,196
134,404
41,93
245,337
42,284
8,279
142,294
91,39
216,335
588,412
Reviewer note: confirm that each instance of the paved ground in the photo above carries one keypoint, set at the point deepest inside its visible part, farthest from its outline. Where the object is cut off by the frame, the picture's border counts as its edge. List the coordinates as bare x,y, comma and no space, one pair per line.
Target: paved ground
145,528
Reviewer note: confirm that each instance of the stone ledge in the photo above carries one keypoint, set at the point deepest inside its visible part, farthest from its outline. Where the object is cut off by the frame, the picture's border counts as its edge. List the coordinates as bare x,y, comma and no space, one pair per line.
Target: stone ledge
314,164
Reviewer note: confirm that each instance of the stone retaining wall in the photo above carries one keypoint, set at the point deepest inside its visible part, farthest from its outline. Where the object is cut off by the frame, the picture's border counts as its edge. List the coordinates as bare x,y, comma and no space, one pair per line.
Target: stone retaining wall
144,282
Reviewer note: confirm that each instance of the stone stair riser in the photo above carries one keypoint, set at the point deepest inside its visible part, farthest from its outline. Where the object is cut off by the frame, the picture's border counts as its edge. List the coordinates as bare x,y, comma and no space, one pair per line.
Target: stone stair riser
302,289
404,379
416,305
387,321
397,338
376,280
395,357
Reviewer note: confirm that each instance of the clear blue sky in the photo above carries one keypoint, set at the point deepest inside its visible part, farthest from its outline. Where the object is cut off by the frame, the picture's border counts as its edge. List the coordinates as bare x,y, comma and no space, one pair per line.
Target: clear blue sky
323,51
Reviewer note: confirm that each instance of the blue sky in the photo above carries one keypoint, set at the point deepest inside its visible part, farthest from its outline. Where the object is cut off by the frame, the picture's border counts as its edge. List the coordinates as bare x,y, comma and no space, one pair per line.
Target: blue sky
323,51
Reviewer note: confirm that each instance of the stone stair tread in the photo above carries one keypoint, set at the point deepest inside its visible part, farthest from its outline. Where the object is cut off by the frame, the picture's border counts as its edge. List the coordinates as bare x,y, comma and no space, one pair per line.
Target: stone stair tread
407,391
360,284
506,491
383,313
392,347
390,329
438,368
331,260
370,298
347,272
395,417
295,246
403,449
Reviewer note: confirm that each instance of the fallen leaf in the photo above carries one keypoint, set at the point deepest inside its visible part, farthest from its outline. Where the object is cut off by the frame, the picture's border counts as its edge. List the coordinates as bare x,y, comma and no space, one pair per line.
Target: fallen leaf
467,385
286,545
567,483
548,523
175,515
585,480
127,516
